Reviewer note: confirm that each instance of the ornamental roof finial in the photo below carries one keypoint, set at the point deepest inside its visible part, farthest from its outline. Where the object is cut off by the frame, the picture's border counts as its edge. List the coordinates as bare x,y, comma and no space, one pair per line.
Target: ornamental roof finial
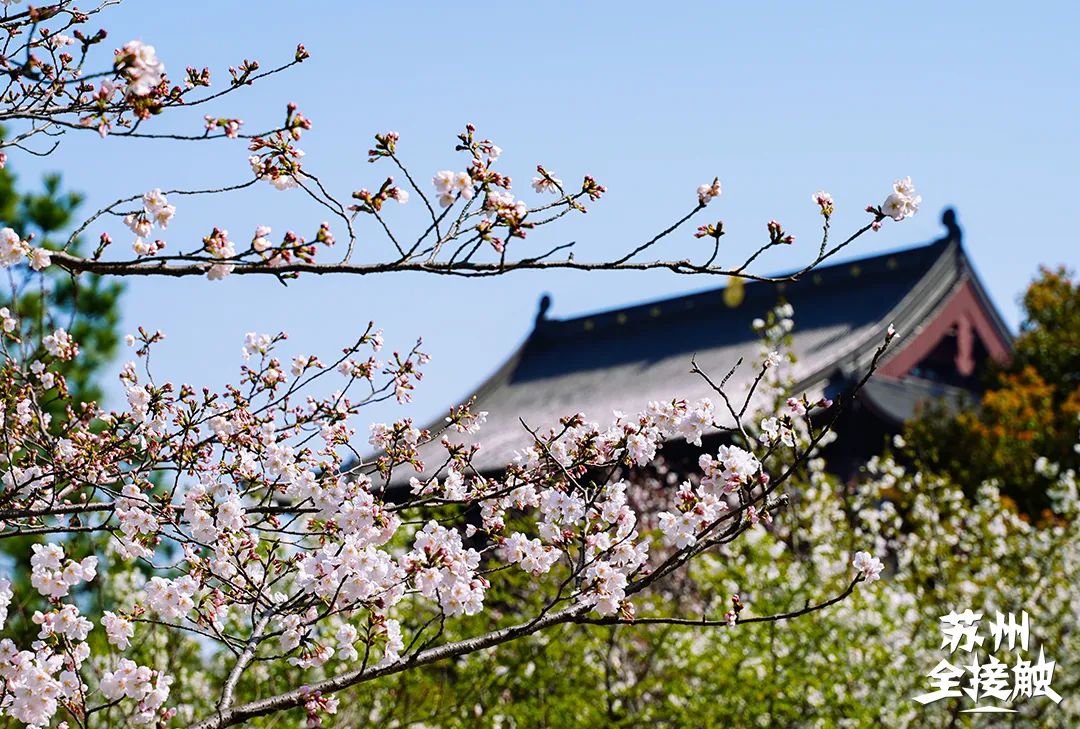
948,219
545,304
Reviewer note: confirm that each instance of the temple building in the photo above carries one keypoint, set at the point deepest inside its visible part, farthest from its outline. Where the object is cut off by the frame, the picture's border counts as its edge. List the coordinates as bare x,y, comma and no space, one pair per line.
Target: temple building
948,331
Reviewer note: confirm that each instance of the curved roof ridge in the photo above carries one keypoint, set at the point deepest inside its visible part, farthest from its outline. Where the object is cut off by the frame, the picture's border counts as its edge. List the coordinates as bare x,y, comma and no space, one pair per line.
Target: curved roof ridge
902,257
912,252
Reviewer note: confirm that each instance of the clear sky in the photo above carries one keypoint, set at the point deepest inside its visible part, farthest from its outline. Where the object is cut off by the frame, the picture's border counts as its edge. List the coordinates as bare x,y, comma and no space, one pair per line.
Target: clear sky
977,101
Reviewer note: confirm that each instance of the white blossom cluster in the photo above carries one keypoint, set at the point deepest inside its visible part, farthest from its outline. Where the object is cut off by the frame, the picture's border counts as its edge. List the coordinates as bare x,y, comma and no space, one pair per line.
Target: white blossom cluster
156,210
902,202
37,681
15,250
139,64
450,185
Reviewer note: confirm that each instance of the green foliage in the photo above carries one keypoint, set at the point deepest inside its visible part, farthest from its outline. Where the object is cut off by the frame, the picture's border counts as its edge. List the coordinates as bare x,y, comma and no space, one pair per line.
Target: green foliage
1050,335
855,664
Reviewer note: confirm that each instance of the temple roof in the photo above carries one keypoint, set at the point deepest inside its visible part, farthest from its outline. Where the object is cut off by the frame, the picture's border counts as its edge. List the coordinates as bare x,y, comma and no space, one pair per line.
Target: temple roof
897,400
621,359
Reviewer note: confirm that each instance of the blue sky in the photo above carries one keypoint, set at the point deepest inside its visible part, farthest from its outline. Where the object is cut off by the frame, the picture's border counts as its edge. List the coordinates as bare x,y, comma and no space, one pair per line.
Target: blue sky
978,102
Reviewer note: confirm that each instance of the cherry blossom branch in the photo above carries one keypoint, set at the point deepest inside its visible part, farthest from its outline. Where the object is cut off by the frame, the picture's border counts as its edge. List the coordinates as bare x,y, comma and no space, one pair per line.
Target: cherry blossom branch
480,211
218,257
242,662
725,622
54,91
76,264
290,699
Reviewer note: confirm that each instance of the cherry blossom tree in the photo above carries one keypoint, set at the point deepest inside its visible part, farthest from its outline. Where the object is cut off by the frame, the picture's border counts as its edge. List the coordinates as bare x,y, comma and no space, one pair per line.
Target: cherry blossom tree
253,526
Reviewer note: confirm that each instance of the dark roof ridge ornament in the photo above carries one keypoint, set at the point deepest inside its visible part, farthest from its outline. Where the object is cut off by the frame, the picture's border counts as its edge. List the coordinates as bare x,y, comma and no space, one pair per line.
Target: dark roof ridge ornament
948,219
541,312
